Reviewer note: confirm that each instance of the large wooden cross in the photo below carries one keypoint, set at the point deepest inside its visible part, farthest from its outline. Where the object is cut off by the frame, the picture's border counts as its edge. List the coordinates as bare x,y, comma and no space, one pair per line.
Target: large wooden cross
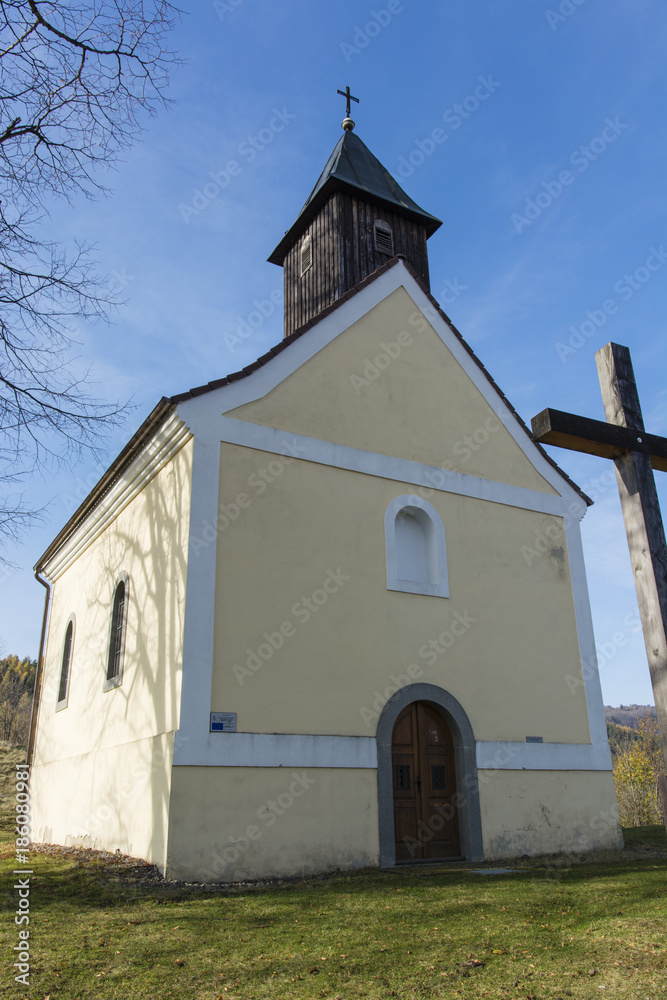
635,454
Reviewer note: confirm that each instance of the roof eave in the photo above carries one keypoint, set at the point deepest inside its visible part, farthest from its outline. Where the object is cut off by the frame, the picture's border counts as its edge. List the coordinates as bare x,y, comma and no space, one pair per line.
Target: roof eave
332,184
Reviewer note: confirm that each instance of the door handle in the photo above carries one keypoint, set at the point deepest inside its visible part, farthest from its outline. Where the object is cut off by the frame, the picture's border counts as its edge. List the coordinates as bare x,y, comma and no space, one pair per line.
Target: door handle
418,783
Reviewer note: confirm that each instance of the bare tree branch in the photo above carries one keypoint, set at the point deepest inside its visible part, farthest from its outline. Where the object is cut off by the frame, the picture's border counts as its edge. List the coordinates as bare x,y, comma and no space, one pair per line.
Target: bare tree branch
76,81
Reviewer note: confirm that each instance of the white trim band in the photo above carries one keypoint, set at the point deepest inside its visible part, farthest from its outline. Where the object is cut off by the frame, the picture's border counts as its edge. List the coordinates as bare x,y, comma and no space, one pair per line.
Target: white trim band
287,750
275,750
492,755
402,470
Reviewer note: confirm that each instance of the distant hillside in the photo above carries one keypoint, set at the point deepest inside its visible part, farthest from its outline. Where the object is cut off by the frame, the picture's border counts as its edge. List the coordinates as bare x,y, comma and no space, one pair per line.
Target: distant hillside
628,715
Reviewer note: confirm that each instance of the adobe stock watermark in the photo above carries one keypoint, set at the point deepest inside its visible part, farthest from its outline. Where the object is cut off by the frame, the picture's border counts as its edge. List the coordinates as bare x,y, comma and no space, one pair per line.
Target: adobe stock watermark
453,117
248,150
600,823
118,281
464,449
553,538
445,813
79,490
225,7
429,652
581,159
267,814
302,611
364,34
257,483
390,350
450,290
22,884
604,652
624,288
131,786
565,10
262,310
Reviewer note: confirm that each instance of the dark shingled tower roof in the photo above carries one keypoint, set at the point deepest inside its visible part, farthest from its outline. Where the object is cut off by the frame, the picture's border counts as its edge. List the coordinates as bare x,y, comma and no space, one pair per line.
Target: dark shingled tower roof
353,168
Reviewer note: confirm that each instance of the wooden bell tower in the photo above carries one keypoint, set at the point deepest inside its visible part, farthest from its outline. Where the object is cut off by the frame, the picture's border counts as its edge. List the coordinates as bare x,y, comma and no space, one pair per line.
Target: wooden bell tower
355,219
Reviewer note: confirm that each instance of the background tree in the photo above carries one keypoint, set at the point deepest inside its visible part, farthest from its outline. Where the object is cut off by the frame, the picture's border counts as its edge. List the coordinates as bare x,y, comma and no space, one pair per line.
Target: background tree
638,762
76,80
17,683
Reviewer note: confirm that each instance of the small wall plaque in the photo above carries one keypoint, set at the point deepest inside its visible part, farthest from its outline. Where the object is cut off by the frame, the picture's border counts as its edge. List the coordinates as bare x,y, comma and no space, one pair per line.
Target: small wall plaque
223,722
534,739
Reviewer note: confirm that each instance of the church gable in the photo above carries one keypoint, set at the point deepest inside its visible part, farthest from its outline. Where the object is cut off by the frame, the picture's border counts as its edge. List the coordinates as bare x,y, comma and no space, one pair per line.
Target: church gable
390,384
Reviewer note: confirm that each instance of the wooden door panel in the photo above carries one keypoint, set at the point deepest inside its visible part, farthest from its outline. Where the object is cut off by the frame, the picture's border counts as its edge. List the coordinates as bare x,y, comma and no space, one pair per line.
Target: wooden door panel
424,779
404,765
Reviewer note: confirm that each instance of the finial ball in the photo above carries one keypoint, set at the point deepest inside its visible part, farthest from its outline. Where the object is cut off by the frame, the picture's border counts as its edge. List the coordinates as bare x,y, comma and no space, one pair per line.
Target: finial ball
347,124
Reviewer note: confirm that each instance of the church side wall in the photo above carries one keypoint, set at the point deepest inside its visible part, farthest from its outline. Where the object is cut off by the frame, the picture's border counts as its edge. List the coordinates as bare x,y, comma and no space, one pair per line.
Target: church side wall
102,764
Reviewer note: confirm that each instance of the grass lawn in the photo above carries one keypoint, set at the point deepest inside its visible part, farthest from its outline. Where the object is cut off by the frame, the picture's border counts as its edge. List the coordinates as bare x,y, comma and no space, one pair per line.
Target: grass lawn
555,928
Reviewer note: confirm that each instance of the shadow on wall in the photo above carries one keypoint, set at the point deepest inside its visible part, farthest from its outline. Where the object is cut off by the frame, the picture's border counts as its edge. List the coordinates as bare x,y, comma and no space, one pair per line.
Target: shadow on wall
146,545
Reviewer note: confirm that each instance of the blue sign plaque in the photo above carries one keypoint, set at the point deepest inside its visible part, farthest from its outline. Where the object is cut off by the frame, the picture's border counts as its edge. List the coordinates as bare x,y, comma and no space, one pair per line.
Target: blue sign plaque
223,722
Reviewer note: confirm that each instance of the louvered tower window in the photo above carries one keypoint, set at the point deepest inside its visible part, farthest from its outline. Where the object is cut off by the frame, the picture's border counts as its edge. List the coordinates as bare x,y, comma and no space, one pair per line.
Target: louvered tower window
384,238
306,254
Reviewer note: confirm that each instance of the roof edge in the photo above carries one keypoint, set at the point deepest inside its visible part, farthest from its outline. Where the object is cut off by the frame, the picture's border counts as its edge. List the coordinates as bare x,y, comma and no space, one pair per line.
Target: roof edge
199,390
399,258
497,388
155,418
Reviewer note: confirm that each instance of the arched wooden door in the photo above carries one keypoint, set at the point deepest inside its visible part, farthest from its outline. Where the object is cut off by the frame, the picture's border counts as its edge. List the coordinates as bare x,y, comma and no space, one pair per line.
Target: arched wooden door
426,821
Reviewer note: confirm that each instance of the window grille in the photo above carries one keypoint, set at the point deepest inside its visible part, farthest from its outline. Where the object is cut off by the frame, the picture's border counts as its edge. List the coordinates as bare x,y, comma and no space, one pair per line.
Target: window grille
403,777
438,778
66,663
116,641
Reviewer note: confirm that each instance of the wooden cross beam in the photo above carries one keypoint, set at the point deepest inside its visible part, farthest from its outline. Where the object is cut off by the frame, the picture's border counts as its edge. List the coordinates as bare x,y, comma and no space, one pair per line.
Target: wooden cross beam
635,454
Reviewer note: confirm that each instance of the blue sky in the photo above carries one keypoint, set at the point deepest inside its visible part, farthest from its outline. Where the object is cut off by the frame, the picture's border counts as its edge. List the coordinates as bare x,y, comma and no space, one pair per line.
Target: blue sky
550,183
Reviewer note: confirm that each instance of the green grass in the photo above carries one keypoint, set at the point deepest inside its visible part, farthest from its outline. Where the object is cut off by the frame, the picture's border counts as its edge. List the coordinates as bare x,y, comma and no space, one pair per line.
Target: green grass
554,929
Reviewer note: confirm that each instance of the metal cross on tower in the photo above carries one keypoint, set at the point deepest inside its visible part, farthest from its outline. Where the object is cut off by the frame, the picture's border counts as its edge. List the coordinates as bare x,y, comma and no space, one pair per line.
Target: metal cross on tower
348,124
635,454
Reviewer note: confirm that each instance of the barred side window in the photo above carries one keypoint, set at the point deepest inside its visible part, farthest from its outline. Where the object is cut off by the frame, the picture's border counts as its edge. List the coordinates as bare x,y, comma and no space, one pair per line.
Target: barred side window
114,673
65,666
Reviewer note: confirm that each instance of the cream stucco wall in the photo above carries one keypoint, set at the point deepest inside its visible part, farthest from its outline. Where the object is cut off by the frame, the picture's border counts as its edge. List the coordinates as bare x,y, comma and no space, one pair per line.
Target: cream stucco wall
100,734
544,812
421,406
231,823
261,822
508,667
112,798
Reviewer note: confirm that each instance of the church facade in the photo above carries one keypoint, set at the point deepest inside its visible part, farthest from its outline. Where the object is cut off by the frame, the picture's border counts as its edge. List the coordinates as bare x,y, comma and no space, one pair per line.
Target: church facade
330,611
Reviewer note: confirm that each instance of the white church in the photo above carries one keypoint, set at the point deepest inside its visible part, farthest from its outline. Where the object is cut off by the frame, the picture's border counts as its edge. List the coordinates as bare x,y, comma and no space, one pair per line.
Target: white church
331,610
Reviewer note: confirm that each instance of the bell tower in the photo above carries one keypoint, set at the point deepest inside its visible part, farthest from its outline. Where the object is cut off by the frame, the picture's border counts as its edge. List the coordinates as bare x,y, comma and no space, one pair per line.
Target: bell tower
355,219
